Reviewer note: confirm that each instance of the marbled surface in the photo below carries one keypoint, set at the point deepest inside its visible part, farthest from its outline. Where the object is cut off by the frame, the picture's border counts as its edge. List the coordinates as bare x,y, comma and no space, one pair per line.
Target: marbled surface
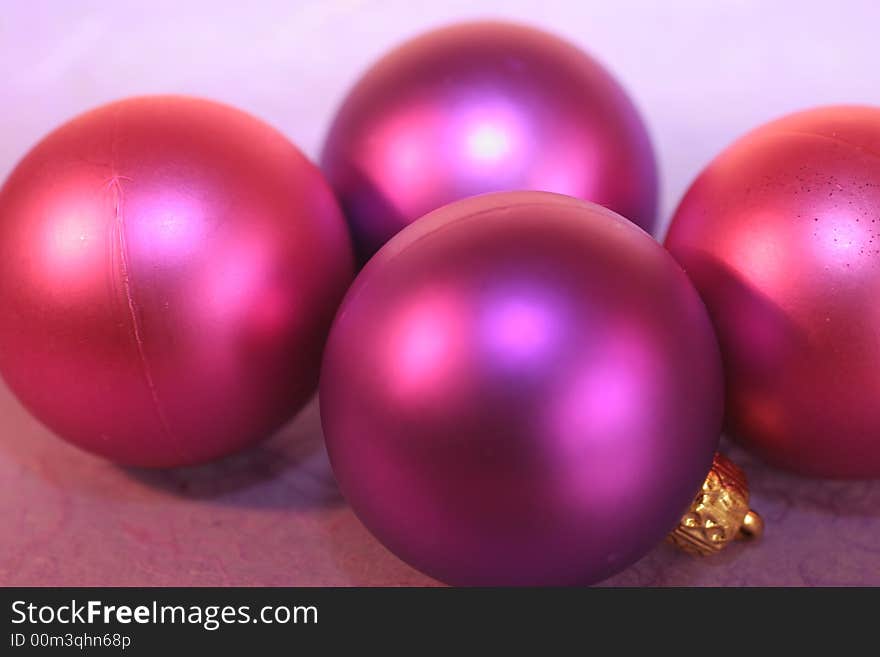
702,73
273,516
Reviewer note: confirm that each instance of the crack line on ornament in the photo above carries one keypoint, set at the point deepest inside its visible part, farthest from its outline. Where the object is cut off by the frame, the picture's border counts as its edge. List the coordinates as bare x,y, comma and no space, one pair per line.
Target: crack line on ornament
114,185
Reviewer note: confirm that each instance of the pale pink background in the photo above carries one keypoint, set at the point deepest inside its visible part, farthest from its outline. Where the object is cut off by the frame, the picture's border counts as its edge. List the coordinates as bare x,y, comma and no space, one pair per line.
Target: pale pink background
701,72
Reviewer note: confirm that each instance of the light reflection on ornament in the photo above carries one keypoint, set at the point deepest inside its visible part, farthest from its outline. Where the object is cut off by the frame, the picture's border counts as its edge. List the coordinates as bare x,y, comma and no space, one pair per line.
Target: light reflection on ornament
424,336
488,142
521,329
173,226
845,239
764,248
70,242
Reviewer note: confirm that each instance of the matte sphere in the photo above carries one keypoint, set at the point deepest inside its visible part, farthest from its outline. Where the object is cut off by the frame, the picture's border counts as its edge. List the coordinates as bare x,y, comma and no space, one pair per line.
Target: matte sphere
484,107
781,235
169,268
521,388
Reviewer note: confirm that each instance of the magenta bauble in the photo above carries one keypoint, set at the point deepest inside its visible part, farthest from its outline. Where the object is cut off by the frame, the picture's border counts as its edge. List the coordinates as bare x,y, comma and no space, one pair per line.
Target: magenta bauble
781,235
483,107
168,271
521,388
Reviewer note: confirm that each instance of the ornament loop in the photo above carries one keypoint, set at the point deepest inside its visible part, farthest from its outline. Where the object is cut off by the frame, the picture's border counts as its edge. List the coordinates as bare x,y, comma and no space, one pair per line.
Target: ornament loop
720,512
752,526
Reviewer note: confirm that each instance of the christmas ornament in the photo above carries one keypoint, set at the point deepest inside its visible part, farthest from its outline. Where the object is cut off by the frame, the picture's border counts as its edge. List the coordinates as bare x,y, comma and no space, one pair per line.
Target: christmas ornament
521,388
719,513
169,268
483,107
781,236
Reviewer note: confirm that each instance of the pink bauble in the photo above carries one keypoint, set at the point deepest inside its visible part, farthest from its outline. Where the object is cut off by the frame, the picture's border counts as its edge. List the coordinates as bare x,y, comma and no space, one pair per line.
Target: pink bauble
483,107
168,271
781,236
521,388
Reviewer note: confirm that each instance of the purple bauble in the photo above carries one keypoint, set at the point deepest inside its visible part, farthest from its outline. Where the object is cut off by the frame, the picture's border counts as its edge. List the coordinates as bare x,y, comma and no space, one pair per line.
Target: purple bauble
521,389
485,107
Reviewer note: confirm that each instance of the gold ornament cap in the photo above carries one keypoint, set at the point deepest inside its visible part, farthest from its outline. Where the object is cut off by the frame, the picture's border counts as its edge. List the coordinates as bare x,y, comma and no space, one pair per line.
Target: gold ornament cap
719,513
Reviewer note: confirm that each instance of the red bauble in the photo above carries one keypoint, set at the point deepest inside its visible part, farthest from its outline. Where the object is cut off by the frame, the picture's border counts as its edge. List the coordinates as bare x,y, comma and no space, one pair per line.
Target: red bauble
485,107
168,270
781,235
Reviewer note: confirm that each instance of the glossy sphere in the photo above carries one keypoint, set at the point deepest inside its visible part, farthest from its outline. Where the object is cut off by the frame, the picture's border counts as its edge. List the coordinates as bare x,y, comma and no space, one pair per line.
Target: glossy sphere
781,235
169,268
521,388
483,107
